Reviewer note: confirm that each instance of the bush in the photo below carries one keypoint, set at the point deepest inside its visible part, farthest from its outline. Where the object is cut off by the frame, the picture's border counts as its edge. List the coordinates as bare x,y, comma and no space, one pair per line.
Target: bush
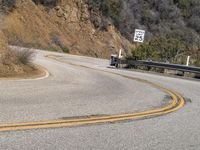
194,22
160,49
25,56
66,50
48,3
109,11
8,5
184,5
56,40
197,63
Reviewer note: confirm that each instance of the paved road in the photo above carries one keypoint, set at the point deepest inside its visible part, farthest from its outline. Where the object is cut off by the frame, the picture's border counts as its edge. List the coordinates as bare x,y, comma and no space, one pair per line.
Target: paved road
73,91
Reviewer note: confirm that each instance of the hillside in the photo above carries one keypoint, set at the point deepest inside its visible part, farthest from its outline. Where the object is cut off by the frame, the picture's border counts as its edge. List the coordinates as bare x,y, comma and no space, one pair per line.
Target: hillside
172,26
59,25
9,64
13,63
99,28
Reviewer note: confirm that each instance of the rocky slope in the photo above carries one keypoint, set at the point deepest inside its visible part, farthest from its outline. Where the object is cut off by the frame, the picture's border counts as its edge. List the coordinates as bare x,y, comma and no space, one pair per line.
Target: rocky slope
64,26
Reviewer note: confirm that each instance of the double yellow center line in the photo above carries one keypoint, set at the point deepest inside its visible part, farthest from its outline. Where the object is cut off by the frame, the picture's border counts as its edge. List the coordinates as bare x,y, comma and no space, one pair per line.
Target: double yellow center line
177,103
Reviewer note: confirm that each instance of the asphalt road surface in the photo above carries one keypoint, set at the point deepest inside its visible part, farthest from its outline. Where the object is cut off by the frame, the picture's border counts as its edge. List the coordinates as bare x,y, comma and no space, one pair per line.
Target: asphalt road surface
73,91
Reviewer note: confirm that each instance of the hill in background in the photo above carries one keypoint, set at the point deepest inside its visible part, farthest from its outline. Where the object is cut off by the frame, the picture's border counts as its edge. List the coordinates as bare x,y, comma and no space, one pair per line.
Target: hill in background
99,28
172,26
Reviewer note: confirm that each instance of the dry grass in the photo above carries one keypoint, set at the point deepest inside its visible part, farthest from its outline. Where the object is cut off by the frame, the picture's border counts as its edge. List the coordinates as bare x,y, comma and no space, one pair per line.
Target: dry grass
25,56
15,63
3,44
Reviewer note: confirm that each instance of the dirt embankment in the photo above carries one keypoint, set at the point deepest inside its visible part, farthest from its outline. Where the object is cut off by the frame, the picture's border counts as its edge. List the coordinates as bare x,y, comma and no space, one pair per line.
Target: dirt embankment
64,27
11,66
10,63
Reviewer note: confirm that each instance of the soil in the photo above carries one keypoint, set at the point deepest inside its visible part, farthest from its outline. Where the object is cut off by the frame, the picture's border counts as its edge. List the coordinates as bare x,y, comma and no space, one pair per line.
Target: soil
28,72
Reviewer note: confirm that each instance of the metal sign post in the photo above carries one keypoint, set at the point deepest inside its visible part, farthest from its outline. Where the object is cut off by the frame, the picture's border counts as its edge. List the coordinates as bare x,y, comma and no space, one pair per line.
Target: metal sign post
139,36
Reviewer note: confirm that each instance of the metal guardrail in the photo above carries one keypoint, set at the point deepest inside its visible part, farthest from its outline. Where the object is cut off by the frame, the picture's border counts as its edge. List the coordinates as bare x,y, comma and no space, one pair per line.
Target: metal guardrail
160,65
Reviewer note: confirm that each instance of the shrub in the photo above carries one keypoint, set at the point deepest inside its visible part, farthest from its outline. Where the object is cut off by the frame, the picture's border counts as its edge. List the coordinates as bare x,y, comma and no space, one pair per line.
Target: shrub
160,49
197,63
25,56
56,40
48,3
184,5
109,11
194,22
66,50
8,5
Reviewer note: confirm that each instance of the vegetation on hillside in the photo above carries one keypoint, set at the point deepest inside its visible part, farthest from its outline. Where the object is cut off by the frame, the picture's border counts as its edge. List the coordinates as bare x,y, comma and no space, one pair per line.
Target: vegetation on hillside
48,3
12,63
172,26
7,5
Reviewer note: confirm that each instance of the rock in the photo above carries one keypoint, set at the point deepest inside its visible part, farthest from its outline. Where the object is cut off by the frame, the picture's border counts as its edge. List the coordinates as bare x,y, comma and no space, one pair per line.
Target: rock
65,16
60,13
57,8
67,8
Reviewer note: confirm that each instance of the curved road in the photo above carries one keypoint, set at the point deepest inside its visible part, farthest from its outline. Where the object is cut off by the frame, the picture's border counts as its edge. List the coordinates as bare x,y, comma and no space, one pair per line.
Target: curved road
73,91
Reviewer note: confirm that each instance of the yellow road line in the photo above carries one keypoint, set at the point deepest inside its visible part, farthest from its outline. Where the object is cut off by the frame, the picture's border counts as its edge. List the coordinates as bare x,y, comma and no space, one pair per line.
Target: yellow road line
177,103
173,104
97,120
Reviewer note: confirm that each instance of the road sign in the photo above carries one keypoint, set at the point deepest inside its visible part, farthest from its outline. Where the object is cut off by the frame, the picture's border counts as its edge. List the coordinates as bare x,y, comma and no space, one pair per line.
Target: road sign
139,36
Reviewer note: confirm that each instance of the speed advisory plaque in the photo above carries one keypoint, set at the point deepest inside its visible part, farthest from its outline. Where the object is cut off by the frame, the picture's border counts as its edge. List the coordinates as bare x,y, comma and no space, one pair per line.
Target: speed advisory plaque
139,36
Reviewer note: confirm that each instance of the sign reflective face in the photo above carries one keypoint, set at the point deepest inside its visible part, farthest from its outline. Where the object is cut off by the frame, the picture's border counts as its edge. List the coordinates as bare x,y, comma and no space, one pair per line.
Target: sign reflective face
139,36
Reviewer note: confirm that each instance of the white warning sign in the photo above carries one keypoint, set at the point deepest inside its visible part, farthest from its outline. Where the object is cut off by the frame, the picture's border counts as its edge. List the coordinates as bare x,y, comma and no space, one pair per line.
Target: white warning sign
139,36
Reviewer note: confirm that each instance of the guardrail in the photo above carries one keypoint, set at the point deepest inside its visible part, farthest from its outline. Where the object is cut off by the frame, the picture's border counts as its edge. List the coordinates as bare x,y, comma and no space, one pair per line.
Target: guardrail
154,64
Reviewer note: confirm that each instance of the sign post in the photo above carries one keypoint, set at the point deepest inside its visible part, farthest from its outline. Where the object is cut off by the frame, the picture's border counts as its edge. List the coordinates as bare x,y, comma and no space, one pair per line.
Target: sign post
139,36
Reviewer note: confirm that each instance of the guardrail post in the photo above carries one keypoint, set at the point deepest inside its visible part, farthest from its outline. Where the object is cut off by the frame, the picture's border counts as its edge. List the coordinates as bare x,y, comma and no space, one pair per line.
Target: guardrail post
188,61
